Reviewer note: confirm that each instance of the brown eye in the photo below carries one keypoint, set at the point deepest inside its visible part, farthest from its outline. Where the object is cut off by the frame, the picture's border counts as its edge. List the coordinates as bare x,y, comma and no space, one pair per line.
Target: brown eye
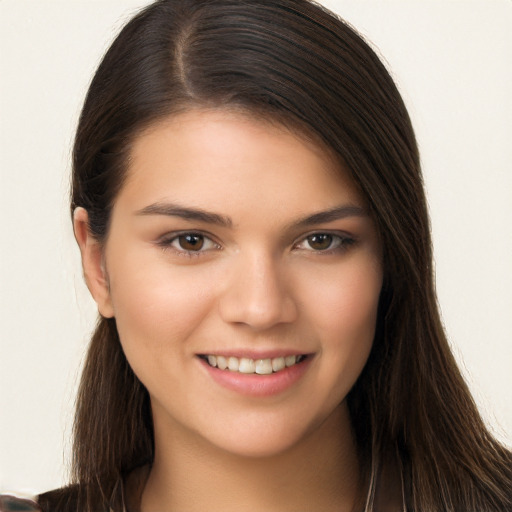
320,242
188,243
191,242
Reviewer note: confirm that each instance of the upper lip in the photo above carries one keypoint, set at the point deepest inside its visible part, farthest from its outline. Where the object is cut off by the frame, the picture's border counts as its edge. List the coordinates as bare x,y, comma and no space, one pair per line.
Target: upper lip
254,354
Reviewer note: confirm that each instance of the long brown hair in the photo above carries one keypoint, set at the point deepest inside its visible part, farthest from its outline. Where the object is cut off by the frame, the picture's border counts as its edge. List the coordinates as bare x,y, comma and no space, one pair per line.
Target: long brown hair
296,63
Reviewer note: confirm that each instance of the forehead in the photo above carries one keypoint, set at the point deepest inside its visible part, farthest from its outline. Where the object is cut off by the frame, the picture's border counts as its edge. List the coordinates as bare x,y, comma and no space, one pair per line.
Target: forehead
224,159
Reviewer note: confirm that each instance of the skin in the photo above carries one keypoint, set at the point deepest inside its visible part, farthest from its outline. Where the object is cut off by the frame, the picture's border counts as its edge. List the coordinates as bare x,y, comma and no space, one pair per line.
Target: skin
258,283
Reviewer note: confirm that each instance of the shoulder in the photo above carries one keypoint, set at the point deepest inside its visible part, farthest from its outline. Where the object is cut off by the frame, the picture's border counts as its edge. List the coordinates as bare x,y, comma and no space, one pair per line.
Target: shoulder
9,503
76,498
59,500
124,495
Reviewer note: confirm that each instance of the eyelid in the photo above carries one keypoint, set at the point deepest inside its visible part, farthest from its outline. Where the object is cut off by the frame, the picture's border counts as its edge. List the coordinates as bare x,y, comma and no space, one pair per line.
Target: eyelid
345,240
166,242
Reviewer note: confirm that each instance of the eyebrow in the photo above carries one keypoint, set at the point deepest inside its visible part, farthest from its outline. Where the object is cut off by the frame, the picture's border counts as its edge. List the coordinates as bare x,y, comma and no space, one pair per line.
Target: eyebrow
187,213
197,214
336,213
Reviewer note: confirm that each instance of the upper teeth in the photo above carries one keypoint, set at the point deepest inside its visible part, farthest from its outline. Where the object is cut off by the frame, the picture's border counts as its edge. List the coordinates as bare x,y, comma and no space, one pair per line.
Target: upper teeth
246,365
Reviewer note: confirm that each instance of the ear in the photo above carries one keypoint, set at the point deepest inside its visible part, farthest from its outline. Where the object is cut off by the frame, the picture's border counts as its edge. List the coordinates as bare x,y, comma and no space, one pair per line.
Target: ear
93,263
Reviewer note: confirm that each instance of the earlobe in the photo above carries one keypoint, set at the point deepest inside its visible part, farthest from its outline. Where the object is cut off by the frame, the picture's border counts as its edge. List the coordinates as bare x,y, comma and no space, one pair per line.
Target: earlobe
94,270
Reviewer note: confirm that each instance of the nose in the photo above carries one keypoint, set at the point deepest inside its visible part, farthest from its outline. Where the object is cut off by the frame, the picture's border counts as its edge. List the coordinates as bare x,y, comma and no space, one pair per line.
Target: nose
256,294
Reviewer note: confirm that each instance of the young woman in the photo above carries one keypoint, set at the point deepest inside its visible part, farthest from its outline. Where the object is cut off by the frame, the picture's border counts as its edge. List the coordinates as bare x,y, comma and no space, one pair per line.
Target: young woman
248,202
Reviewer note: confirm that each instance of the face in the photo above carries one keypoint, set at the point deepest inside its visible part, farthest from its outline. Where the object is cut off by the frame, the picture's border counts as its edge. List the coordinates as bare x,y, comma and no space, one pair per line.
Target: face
236,243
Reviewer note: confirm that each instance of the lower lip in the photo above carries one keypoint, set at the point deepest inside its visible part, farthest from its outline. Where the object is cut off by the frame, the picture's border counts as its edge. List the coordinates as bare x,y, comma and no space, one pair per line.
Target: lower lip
252,384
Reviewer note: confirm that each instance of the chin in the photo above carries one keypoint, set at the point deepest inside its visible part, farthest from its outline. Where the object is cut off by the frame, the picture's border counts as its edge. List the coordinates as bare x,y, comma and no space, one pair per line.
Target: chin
262,447
267,438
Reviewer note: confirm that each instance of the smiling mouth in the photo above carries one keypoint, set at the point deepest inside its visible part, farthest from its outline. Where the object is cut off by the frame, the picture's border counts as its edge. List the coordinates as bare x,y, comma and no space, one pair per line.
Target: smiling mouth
255,366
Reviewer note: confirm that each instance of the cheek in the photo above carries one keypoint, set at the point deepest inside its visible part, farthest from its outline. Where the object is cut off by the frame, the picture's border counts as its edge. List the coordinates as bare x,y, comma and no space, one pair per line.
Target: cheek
346,306
345,315
156,306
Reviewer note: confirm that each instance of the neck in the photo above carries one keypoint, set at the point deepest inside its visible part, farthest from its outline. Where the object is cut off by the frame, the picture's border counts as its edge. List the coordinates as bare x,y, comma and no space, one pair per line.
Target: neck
319,473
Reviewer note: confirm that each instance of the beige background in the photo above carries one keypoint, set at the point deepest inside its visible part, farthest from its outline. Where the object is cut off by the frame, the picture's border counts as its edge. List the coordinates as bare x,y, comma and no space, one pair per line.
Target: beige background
452,62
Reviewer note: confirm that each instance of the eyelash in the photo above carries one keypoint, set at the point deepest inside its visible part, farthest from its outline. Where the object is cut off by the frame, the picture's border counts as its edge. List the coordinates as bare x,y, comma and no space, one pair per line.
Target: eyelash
166,242
341,242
